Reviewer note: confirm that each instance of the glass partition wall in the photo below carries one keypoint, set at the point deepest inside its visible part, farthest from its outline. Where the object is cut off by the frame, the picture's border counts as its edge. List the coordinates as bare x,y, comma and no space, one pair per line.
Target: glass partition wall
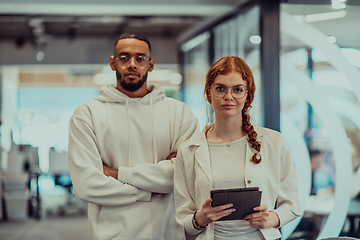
196,65
319,99
227,38
319,81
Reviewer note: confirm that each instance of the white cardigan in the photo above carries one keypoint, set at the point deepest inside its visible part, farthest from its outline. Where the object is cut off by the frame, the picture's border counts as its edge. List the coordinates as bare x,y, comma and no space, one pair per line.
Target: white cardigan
275,176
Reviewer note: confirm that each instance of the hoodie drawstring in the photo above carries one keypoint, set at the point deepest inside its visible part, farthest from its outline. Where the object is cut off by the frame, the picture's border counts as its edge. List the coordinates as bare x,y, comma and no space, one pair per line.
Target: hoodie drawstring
110,94
129,135
104,133
153,130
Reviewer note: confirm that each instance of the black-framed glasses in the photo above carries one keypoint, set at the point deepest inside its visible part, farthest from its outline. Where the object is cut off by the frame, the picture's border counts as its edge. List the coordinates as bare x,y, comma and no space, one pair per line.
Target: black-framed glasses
140,61
237,92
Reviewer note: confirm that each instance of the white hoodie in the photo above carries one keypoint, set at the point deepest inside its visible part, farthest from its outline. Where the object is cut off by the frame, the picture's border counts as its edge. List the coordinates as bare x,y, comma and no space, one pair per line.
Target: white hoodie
132,135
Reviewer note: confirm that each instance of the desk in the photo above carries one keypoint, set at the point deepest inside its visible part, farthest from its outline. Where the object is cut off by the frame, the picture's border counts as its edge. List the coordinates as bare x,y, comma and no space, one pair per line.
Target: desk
323,205
320,204
354,218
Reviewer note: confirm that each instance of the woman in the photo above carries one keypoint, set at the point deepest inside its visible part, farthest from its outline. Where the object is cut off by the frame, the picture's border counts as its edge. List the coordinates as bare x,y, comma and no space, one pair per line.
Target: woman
232,153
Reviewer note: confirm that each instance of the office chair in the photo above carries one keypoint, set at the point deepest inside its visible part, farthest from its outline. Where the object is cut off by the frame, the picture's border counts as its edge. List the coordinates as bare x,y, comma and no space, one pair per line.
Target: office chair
59,169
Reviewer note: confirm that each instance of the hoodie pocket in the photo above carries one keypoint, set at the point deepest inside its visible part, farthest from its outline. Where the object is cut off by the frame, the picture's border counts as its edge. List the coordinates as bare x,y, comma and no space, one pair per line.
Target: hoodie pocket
131,221
110,224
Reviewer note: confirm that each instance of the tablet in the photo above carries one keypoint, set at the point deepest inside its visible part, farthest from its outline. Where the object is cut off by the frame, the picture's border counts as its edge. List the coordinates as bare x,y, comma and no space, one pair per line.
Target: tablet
243,199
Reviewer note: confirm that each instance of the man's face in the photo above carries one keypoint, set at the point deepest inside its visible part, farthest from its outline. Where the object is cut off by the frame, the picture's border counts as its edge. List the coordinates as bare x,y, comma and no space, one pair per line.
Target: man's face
131,85
131,76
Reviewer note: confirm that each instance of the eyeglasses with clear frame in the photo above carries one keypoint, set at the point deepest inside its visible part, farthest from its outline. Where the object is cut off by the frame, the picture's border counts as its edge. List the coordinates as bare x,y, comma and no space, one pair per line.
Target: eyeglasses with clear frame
140,61
220,91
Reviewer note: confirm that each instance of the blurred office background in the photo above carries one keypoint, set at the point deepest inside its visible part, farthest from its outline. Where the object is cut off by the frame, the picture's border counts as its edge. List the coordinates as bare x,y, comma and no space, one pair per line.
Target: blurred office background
305,55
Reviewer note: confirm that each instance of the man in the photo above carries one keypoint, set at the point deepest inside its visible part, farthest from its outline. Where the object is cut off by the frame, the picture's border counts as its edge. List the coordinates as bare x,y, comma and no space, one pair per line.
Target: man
120,150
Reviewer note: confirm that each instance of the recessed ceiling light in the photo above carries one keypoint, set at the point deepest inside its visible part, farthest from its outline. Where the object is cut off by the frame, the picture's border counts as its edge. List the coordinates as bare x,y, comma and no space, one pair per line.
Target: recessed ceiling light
331,38
40,56
255,39
338,5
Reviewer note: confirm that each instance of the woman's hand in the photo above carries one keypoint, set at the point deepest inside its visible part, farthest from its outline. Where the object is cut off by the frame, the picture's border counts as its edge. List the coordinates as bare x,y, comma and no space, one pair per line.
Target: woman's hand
208,214
263,218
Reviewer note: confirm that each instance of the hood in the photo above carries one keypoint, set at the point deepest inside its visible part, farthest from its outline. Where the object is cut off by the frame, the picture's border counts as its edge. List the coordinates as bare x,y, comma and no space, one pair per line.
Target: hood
109,93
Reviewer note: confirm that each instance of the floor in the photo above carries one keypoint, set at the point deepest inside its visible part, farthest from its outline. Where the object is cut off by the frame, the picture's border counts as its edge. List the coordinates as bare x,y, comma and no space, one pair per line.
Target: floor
51,227
62,218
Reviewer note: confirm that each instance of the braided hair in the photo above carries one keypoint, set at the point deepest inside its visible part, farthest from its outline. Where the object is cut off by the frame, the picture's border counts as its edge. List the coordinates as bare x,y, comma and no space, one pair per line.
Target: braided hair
224,66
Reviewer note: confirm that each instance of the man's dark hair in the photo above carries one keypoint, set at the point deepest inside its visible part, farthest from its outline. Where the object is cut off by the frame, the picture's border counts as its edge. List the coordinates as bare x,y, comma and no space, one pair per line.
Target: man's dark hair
135,35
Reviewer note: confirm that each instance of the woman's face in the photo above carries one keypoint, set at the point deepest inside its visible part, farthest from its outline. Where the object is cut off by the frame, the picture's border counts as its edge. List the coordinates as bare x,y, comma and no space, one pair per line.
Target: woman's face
228,105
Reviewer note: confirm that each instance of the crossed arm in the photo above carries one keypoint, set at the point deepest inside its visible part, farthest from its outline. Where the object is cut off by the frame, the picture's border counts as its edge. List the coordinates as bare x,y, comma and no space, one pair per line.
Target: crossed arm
91,179
96,183
86,170
111,172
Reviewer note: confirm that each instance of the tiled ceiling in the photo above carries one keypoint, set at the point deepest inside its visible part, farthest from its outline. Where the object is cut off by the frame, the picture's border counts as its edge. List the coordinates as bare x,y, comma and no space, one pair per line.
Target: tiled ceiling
34,20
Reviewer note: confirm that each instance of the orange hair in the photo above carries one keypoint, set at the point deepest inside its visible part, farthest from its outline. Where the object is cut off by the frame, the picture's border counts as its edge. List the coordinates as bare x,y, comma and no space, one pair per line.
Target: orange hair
224,66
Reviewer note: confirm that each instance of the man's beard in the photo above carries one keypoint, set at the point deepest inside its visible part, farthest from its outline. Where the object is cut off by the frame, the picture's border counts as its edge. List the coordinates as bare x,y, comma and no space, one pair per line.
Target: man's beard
131,86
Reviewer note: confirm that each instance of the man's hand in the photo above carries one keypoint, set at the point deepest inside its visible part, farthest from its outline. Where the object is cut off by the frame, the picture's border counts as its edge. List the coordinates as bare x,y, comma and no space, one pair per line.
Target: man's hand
172,155
110,172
